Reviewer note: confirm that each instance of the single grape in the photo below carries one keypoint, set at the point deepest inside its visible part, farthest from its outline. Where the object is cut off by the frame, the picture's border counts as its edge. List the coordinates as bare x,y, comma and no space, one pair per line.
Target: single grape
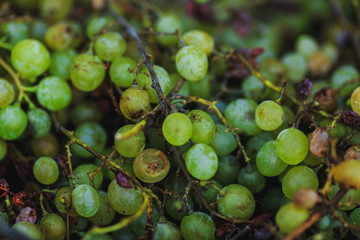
268,162
46,170
252,87
121,71
81,224
30,230
203,126
299,177
3,148
289,217
223,142
61,62
134,103
200,39
255,143
110,45
311,159
7,93
306,45
198,226
96,25
346,174
139,224
352,152
63,35
342,78
106,214
166,230
209,189
167,23
228,169
132,146
201,161
236,201
126,201
54,226
13,122
84,112
151,166
297,65
269,115
177,129
354,219
14,31
273,69
87,72
46,146
40,122
178,207
85,200
292,146
30,58
251,178
81,175
55,10
288,119
191,63
63,201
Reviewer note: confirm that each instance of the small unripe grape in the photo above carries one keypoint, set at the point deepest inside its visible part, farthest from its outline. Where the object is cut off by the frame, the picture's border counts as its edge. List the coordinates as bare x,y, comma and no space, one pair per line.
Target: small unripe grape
228,169
167,23
81,175
55,9
39,122
306,45
198,226
110,45
177,207
289,217
61,62
166,230
251,178
46,170
134,103
223,142
7,93
46,146
200,39
177,129
347,174
106,214
85,200
30,230
268,162
297,66
269,115
191,63
63,201
151,165
203,126
120,71
96,25
201,161
13,122
63,35
54,226
132,146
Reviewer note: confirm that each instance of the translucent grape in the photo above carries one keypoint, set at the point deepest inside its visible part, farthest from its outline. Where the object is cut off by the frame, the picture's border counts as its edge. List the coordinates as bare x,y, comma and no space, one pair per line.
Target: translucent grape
110,45
198,226
65,193
61,62
46,170
292,146
289,217
268,162
177,129
200,39
166,230
7,93
54,226
297,66
120,72
13,122
228,169
167,23
30,230
106,214
223,142
191,63
81,175
85,200
96,25
14,31
201,161
3,148
251,178
54,93
203,127
63,35
132,146
269,115
346,174
252,87
134,103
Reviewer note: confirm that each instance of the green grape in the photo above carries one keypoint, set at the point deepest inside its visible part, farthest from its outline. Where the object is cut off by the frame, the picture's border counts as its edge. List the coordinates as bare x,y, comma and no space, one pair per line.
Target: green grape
124,233
54,226
120,71
201,88
339,130
273,69
191,63
7,93
81,175
96,25
269,115
46,170
151,166
342,78
106,214
351,195
81,224
297,178
297,65
85,111
132,146
251,178
200,39
240,114
355,100
201,161
333,226
203,127
139,224
223,142
87,72
198,226
167,23
268,162
92,134
252,87
14,31
354,219
144,80
126,201
46,146
134,103
13,122
209,189
63,35
61,62
289,217
63,201
30,230
177,207
292,146
228,169
288,119
30,58
236,201
54,93
38,29
3,148
255,143
55,9
166,230
40,122
85,200
306,45
110,45
103,236
177,129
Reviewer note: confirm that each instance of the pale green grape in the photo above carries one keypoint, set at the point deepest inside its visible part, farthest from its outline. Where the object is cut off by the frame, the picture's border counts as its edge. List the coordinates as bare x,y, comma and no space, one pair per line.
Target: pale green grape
191,63
54,226
7,93
223,142
110,45
297,66
177,129
201,161
132,146
200,39
268,162
292,146
269,115
13,122
40,122
289,217
46,170
120,71
198,226
167,23
81,175
96,25
203,127
85,200
306,45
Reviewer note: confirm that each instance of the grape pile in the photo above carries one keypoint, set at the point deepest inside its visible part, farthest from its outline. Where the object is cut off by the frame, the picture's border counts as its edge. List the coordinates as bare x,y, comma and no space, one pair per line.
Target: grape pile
194,119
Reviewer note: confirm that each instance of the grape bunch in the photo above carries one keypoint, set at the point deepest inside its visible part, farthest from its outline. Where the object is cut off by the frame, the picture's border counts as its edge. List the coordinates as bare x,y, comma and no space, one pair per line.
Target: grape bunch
195,119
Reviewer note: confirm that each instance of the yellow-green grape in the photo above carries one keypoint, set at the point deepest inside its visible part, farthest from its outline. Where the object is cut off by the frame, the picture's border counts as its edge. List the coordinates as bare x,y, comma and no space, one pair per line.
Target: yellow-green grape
61,62
46,170
110,45
132,146
289,217
306,45
151,166
85,200
96,25
121,71
351,195
268,162
7,93
177,129
223,141
198,226
106,214
30,230
13,122
269,115
191,63
167,23
347,174
144,80
3,148
134,103
55,9
297,66
63,201
200,39
54,226
292,146
63,35
355,100
203,126
81,175
201,161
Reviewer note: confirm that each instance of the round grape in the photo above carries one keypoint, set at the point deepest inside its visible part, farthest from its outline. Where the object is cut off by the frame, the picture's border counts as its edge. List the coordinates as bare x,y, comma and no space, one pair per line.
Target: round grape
30,230
120,71
7,93
39,122
268,162
289,217
96,25
166,230
81,175
110,45
200,39
251,178
201,161
46,170
191,63
63,35
228,169
177,129
63,201
61,62
269,115
134,103
297,66
106,214
132,146
203,126
85,200
223,142
346,174
54,226
198,226
167,23
13,122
